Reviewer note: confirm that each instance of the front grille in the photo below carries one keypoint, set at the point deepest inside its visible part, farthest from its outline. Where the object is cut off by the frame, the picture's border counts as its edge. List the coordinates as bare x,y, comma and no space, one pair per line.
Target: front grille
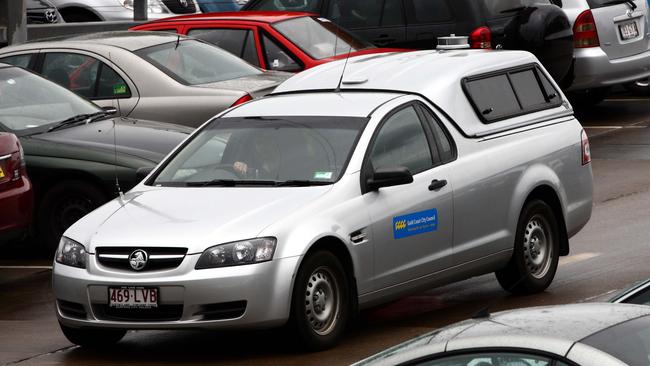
157,314
72,309
158,258
40,16
221,311
176,6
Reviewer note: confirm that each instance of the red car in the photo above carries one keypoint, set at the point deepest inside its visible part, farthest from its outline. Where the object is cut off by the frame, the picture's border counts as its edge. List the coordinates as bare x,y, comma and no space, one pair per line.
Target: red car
284,41
15,189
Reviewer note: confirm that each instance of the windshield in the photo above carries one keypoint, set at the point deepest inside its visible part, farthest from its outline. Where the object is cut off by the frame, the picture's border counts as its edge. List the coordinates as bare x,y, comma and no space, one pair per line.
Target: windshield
628,341
504,7
317,37
309,6
278,149
193,62
594,4
29,102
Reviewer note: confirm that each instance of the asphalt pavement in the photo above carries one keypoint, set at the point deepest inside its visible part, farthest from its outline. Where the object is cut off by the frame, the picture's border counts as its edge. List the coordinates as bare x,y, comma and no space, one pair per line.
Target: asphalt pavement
610,253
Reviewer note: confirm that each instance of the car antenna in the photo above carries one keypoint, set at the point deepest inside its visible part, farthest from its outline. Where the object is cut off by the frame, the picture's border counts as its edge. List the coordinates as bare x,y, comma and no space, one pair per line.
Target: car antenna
119,111
345,65
484,312
178,41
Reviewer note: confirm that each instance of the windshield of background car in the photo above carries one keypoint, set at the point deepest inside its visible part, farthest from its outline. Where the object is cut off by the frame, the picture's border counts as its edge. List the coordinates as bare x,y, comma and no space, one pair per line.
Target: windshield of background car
28,101
595,4
499,8
192,62
318,36
277,149
310,6
628,341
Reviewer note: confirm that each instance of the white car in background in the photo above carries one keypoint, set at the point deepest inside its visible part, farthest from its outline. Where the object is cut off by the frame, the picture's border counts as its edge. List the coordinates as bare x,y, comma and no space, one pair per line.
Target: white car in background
612,45
100,10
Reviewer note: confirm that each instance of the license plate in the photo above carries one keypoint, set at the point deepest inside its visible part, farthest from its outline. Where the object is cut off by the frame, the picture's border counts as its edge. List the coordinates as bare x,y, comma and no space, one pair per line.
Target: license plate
628,30
133,297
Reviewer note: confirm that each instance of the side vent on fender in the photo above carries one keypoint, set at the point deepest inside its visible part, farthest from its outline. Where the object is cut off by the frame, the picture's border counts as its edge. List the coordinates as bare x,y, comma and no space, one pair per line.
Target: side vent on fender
358,237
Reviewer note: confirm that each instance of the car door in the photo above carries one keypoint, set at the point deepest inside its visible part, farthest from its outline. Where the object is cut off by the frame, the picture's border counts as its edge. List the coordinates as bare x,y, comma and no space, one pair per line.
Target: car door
240,41
380,22
412,224
92,78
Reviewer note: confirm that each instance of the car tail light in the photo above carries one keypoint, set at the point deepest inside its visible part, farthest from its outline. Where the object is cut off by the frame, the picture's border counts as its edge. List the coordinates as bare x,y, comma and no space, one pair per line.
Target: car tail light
242,100
586,151
585,34
481,38
12,166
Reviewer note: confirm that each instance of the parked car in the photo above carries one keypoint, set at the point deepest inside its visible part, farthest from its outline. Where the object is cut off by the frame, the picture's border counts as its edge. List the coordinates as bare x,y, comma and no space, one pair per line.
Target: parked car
537,26
211,6
15,189
100,10
590,334
74,150
147,75
281,41
320,199
42,12
612,45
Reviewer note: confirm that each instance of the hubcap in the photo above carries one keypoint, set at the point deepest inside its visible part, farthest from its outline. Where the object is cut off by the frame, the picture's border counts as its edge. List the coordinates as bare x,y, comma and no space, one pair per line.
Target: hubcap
322,301
537,247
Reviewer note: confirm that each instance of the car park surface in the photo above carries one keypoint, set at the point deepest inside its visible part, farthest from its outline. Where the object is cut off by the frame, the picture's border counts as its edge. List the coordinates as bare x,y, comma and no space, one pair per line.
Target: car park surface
283,41
268,271
147,75
15,189
537,26
74,150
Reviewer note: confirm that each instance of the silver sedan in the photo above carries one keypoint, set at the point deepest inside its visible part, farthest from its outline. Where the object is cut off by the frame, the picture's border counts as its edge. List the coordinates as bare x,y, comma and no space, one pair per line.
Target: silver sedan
147,75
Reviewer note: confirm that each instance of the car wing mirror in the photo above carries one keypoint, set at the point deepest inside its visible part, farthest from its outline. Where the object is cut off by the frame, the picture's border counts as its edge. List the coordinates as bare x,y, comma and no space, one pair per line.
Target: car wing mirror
142,173
389,177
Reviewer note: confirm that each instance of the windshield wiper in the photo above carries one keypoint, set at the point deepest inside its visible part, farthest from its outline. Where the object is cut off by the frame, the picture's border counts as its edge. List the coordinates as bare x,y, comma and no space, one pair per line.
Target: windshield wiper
232,183
617,2
85,118
301,183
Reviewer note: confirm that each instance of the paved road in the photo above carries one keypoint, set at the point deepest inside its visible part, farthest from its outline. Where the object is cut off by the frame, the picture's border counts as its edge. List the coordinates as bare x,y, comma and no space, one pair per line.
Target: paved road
609,254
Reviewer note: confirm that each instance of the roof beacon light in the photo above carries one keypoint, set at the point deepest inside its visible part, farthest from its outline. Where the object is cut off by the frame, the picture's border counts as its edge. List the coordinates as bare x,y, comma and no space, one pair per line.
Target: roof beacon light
453,42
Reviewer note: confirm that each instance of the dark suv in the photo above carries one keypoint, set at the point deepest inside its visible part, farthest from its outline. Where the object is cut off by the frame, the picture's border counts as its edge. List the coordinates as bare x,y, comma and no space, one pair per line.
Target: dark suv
538,26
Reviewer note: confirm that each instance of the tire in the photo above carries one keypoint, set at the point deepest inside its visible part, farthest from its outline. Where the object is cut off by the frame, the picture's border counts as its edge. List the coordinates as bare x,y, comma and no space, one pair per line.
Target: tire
320,305
78,15
588,97
530,272
93,337
61,207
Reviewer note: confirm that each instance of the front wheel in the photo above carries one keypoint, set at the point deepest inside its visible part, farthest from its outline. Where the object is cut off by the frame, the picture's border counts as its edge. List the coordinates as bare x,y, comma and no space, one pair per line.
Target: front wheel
320,308
93,337
536,253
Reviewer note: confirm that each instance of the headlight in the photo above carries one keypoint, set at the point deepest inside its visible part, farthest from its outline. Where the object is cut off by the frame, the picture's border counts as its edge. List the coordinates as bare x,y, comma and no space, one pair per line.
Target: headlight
153,6
71,253
238,253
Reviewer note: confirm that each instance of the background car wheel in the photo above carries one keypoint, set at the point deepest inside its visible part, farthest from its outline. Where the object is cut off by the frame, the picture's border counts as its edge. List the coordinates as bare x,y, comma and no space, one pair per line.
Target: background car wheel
536,253
93,337
320,308
588,97
75,15
62,206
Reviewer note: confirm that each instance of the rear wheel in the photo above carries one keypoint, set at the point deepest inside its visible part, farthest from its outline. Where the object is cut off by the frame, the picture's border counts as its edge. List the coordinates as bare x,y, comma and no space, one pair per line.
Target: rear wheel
93,337
536,253
77,15
321,301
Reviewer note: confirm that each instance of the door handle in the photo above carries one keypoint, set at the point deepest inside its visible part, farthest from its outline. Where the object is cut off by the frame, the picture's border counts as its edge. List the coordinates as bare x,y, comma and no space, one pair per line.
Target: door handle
437,184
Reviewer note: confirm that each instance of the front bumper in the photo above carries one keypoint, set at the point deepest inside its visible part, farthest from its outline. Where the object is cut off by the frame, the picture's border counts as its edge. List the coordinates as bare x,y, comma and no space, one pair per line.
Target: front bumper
594,69
264,288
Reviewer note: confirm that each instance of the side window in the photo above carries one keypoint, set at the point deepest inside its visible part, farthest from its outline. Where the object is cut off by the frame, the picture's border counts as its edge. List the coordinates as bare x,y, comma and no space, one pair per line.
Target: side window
427,11
393,14
111,85
490,359
402,142
277,58
18,60
443,140
356,13
73,71
239,42
510,94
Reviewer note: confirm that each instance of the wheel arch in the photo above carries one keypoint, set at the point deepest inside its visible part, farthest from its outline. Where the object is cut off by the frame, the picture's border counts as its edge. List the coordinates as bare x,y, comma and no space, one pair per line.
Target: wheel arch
53,179
547,194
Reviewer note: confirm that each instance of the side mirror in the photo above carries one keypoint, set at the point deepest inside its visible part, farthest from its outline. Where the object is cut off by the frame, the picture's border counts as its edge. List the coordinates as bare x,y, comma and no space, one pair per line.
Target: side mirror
110,110
142,173
557,2
389,177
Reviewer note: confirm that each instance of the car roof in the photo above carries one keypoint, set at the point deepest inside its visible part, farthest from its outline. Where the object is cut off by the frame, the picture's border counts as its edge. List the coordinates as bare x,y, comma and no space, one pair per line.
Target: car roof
314,104
556,328
434,74
256,16
128,40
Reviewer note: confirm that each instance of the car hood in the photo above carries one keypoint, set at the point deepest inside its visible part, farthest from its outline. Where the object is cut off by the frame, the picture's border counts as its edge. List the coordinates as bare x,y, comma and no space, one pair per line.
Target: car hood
142,139
255,85
193,218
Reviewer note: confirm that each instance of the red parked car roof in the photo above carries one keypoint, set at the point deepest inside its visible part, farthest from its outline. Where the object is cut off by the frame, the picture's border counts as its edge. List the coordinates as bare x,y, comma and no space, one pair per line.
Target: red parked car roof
255,16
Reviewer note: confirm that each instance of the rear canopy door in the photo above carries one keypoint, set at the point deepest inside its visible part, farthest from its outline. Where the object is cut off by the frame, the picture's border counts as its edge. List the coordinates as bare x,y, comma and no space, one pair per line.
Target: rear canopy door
621,30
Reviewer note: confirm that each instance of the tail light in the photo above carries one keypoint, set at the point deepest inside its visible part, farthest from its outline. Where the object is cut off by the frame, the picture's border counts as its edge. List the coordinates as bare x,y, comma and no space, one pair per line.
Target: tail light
481,38
586,151
12,166
242,100
585,33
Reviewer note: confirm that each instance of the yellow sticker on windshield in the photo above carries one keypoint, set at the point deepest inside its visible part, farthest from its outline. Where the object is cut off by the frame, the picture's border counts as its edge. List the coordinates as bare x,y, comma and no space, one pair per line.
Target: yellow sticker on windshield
2,174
